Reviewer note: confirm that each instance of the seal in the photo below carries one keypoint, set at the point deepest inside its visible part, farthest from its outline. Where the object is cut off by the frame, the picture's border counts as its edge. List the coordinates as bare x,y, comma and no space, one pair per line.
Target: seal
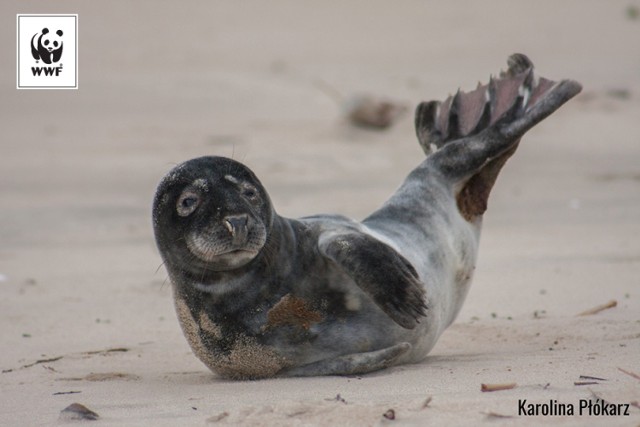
259,295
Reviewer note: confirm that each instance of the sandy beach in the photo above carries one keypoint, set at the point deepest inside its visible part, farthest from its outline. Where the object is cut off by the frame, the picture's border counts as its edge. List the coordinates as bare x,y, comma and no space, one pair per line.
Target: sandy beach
86,311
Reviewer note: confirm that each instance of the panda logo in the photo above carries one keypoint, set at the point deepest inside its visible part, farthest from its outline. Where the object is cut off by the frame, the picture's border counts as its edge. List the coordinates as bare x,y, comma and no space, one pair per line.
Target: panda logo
47,46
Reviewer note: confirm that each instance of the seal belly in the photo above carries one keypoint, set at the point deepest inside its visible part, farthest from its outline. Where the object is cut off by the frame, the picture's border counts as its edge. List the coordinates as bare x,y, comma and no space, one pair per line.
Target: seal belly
331,318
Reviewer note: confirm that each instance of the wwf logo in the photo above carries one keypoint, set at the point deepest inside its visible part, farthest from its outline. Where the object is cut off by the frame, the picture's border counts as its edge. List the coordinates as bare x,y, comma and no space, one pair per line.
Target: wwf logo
47,46
40,42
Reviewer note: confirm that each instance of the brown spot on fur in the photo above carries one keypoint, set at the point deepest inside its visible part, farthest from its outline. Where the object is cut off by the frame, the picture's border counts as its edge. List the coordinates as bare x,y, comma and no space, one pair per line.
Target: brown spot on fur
292,311
472,199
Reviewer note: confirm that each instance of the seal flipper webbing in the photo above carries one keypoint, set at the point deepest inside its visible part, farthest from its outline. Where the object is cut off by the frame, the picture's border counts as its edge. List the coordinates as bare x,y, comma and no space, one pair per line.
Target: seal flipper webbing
470,136
467,113
385,275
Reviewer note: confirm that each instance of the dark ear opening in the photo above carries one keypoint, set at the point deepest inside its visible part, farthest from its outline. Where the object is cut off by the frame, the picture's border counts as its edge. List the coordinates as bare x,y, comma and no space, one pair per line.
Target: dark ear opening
59,32
45,31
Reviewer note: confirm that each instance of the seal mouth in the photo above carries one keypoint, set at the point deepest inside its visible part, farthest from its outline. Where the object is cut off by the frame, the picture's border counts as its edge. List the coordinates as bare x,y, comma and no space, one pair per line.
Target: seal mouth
222,250
227,261
240,252
219,256
230,254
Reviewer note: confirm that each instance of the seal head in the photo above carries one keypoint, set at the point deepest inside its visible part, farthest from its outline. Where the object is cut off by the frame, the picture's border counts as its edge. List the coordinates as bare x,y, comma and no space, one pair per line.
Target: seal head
211,214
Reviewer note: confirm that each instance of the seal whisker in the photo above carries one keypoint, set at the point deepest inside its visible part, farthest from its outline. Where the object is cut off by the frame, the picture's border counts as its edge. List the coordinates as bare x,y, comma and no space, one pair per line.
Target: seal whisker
204,273
164,282
159,267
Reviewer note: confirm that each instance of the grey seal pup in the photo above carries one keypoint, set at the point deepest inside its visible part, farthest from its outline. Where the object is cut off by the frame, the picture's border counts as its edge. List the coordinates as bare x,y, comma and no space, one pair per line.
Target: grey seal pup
259,295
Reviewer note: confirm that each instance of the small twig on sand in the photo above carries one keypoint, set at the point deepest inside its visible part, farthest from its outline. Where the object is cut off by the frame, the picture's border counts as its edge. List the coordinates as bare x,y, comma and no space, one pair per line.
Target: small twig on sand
599,308
597,397
219,417
492,414
497,387
37,362
109,350
588,377
55,359
426,402
338,398
632,374
592,380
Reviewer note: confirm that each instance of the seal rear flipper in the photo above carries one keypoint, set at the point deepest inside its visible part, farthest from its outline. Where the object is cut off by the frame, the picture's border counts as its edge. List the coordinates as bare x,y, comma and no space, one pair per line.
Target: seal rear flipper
351,364
472,135
385,275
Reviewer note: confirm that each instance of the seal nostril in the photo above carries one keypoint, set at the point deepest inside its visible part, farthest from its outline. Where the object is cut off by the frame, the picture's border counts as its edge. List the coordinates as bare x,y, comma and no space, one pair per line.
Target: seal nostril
229,226
236,224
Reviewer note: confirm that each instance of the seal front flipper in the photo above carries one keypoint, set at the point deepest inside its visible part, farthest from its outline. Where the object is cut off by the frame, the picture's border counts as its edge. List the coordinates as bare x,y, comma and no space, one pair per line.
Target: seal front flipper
385,275
352,364
470,136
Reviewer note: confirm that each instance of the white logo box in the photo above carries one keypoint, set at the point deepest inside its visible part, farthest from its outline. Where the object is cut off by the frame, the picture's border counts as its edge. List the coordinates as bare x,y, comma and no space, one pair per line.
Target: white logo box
45,70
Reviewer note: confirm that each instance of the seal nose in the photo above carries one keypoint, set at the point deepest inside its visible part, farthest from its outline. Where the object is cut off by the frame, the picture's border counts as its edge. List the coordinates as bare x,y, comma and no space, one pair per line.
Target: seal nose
237,226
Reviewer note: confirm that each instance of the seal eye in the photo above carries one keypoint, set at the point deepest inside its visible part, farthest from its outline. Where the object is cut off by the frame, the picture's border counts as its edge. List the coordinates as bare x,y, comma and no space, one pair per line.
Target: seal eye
250,192
187,203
